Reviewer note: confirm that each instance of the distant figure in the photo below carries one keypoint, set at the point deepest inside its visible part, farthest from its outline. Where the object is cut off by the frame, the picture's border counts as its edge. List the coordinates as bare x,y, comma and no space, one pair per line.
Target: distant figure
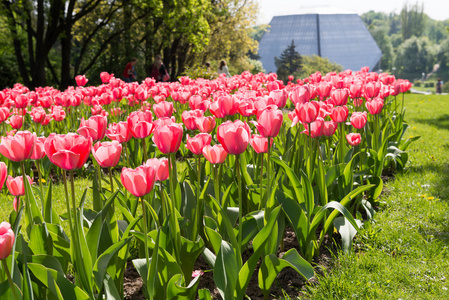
208,70
158,70
438,86
223,68
129,74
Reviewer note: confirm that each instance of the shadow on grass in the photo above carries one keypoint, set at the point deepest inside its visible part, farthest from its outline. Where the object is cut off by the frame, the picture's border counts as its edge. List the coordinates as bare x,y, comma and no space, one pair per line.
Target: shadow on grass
442,122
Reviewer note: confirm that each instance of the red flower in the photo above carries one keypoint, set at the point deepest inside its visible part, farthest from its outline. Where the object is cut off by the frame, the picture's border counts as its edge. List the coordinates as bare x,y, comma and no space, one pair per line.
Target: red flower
234,136
18,147
68,151
140,181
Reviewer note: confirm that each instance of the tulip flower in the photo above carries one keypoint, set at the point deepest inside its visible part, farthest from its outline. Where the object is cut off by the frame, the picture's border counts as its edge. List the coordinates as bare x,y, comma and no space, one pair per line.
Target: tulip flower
340,97
215,154
38,151
16,121
339,114
163,109
161,167
38,114
329,128
358,119
269,121
58,113
234,136
225,105
280,97
259,143
15,185
315,129
107,154
18,147
68,151
197,143
168,138
105,77
300,94
119,132
140,181
3,174
205,124
81,80
163,121
140,124
375,106
4,114
6,240
307,112
197,102
189,118
353,139
94,127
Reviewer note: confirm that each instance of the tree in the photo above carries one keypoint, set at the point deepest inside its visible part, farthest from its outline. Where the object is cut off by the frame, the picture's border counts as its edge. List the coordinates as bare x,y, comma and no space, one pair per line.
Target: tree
413,20
380,35
289,63
415,56
314,63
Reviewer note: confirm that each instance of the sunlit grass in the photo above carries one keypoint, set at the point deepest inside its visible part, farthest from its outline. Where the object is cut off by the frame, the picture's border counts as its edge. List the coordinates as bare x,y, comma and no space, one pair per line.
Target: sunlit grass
405,255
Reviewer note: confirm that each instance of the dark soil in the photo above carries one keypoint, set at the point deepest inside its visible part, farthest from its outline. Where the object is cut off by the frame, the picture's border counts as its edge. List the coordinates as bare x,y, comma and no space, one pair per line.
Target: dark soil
287,281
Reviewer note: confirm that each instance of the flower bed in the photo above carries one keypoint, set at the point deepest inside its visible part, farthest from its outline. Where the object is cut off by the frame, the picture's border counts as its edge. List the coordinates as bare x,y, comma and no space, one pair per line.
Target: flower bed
250,172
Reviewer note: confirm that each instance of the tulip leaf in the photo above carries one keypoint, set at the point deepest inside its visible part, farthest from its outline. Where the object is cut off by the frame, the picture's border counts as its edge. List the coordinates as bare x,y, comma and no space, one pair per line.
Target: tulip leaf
110,289
294,180
347,232
40,240
190,251
226,271
271,266
204,294
56,282
176,291
47,209
102,262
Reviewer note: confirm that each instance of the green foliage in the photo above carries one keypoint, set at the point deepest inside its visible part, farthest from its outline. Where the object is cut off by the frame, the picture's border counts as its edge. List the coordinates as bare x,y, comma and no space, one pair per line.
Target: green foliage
415,56
445,87
413,20
315,63
403,252
289,63
380,35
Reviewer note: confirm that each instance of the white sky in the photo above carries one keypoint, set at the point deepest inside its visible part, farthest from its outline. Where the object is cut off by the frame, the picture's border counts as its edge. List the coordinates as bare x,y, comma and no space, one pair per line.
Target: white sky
436,9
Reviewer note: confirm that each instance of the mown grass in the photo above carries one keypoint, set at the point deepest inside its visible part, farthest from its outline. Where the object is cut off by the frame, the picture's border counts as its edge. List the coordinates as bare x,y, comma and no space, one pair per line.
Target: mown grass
404,254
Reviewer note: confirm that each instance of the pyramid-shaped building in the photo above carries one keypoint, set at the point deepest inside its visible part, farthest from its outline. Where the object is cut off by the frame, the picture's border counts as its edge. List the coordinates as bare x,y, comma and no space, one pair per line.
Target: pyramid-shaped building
341,37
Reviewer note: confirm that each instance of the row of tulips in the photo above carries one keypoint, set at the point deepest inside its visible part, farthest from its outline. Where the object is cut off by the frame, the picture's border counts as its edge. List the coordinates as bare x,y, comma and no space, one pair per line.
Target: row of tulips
195,180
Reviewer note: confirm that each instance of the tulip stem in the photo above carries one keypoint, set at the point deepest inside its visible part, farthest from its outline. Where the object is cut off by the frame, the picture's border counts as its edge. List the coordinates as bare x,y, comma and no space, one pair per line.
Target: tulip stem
261,182
126,154
310,167
144,150
164,204
239,179
342,142
11,283
216,185
27,202
268,177
110,179
39,174
145,231
99,184
199,204
69,212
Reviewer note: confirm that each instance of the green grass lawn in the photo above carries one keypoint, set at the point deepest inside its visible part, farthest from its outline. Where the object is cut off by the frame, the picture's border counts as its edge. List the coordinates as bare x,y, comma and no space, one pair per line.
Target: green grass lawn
406,253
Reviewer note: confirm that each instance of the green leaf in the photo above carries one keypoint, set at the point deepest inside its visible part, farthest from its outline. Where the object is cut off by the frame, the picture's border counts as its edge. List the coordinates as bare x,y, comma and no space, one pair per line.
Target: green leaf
102,262
189,252
47,206
347,232
176,291
204,294
226,271
271,266
294,180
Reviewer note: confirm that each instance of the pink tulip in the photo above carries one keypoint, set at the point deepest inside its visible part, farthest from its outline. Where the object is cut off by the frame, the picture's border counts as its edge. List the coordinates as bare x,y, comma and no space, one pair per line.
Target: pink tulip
205,124
197,102
119,132
196,144
68,151
353,139
164,121
307,112
15,185
375,106
163,109
21,101
259,143
316,128
81,80
189,118
105,77
140,181
323,89
58,113
329,128
39,152
371,89
215,154
280,97
269,121
300,94
340,97
140,124
6,240
168,138
234,136
94,127
225,105
18,147
4,114
107,154
358,119
339,114
16,121
246,107
38,114
161,167
3,174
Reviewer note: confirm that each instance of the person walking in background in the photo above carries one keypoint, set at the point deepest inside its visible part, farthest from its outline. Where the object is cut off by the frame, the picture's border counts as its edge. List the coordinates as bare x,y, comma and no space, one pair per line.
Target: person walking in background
438,86
158,70
129,74
223,68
